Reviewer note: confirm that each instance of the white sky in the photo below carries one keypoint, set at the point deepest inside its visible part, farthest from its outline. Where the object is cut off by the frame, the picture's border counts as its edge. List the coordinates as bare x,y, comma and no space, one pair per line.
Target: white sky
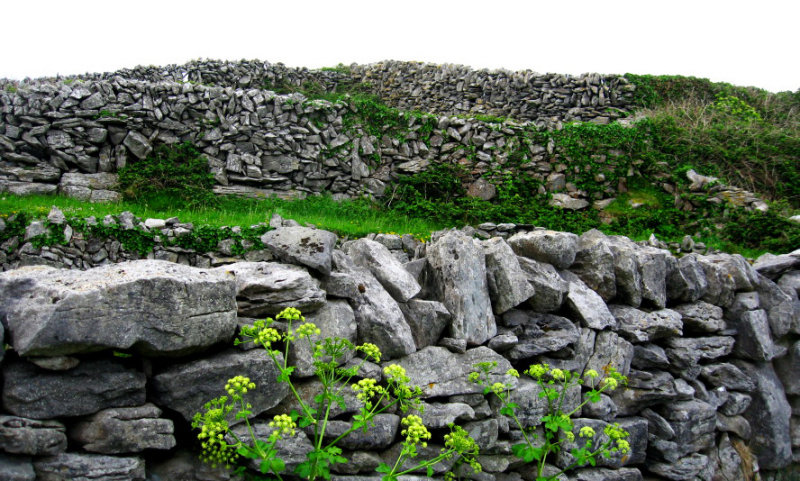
742,42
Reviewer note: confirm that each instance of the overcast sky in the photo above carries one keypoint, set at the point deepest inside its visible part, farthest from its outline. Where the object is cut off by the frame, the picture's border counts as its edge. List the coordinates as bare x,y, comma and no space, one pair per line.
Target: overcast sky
744,43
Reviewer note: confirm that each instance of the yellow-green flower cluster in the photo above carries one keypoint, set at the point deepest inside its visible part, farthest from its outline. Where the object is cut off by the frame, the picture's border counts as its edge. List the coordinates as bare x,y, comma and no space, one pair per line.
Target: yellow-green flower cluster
236,386
291,314
415,432
398,381
513,372
267,336
610,383
586,432
367,389
213,428
308,329
538,371
618,435
459,441
283,426
498,388
558,374
591,373
370,350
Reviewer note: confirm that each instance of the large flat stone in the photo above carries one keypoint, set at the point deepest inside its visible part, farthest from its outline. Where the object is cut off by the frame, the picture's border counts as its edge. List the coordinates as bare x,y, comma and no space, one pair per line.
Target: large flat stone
508,283
302,245
152,307
124,430
89,467
551,247
30,436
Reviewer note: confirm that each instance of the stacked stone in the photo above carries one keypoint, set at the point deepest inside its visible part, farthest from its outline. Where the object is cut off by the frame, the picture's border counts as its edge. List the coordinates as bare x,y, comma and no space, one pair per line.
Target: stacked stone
73,138
710,344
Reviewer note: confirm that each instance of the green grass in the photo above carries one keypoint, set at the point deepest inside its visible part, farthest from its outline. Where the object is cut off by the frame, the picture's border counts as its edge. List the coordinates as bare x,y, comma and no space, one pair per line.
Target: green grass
351,218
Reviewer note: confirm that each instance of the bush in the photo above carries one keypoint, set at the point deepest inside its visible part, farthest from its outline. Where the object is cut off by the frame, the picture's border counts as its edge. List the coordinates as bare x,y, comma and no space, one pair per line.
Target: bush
170,174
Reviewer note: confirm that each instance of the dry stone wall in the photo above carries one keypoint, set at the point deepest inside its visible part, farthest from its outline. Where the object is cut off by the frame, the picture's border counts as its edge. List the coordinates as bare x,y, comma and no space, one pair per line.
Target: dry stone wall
73,135
710,343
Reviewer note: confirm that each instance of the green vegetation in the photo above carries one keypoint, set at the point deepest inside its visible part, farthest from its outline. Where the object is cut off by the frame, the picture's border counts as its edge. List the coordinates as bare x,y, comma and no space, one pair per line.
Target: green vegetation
222,446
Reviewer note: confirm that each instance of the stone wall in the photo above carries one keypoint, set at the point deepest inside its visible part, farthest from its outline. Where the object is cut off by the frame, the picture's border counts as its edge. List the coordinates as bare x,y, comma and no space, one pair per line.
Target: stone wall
72,135
711,345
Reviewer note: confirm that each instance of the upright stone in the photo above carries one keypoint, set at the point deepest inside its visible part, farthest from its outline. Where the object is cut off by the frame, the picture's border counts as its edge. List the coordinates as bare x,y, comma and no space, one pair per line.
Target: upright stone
594,264
587,305
508,283
653,269
549,287
385,267
459,270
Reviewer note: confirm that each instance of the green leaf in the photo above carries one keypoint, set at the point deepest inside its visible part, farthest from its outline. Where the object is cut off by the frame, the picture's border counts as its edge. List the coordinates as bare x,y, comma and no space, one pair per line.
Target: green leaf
243,414
430,471
593,396
383,468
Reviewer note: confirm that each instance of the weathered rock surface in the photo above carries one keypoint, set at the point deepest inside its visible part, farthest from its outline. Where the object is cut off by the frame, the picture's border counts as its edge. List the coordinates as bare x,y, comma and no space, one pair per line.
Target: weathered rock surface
89,467
550,247
335,320
686,353
687,280
427,319
16,468
179,309
639,326
541,333
586,305
377,437
32,392
693,423
652,264
302,245
440,372
768,415
124,430
378,316
788,367
549,287
385,267
594,264
728,376
29,436
682,469
459,269
508,283
753,339
779,306
701,317
185,387
265,288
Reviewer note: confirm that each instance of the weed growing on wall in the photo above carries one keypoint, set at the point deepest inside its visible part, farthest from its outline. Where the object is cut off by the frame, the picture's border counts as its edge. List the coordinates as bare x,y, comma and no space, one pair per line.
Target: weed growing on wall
221,446
556,432
171,174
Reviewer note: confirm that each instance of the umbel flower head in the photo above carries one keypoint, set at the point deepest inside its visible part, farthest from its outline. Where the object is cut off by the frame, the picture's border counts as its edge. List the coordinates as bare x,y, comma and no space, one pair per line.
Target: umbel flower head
415,432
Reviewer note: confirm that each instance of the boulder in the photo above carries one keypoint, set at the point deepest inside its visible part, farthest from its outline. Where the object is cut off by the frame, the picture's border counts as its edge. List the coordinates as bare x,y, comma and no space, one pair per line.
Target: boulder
685,353
186,387
701,317
639,326
626,270
378,316
768,415
753,339
649,356
550,247
549,287
385,267
508,283
302,245
138,144
266,288
32,392
687,281
29,436
152,307
720,282
586,305
459,269
89,467
594,264
653,270
439,372
124,430
335,320
427,319
772,266
541,333
644,389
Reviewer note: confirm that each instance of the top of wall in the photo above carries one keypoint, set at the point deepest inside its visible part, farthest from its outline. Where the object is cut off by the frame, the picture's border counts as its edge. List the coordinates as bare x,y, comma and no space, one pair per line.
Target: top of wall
545,99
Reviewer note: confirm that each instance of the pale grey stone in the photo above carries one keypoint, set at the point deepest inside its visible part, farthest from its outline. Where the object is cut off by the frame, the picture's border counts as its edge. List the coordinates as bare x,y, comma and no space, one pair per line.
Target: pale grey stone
439,415
508,283
681,469
653,270
459,270
753,340
138,144
385,267
647,356
728,376
301,245
737,403
29,436
693,423
549,287
772,266
639,326
594,264
94,385
185,387
645,389
737,425
439,372
266,288
379,436
124,430
55,312
57,363
427,319
779,306
89,467
612,351
701,317
686,353
541,333
550,247
586,305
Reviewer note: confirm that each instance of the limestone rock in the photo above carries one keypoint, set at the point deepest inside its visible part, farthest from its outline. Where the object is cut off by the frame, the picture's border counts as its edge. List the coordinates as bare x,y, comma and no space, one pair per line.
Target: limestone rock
138,144
771,266
686,353
693,423
612,351
550,247
640,326
753,340
682,469
31,392
728,376
125,430
291,449
594,264
541,333
379,436
701,317
626,270
439,372
787,368
768,415
29,436
89,467
427,319
586,305
302,245
178,309
779,306
439,415
653,270
508,283
378,316
385,267
687,281
265,288
185,387
459,270
16,468
548,286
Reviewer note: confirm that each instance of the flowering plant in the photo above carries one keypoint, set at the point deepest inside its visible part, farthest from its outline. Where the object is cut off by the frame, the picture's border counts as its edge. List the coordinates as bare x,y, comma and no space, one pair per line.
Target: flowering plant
557,425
